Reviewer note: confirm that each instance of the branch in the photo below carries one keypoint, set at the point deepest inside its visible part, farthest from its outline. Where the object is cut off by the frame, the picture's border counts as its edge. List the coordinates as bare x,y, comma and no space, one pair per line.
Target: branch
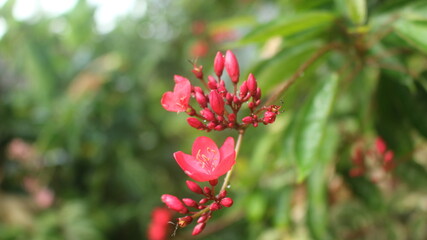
285,85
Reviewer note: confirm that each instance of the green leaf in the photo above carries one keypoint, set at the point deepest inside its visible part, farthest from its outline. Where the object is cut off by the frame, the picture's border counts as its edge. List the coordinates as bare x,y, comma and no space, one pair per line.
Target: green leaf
289,26
317,203
366,191
413,174
311,125
414,33
356,11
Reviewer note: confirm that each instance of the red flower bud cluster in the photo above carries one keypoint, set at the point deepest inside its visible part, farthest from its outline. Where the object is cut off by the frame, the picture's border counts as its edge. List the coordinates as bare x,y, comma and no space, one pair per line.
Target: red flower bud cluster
219,108
375,161
203,208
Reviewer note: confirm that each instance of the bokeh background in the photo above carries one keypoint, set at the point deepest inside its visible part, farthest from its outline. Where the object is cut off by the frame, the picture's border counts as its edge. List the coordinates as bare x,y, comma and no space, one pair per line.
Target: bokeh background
86,148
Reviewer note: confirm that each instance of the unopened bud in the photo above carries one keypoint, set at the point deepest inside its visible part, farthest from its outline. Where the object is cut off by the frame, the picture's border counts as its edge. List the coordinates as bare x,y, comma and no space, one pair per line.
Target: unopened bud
174,203
231,117
251,105
203,201
252,84
198,72
184,221
195,123
189,202
232,66
380,145
198,228
214,206
212,83
222,194
229,97
207,191
194,187
226,202
202,219
258,94
201,99
219,127
219,64
255,124
243,89
216,102
269,117
212,125
388,156
214,182
207,114
247,120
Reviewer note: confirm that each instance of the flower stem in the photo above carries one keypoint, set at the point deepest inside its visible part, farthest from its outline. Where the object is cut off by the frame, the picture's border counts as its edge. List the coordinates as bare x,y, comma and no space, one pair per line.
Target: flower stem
237,148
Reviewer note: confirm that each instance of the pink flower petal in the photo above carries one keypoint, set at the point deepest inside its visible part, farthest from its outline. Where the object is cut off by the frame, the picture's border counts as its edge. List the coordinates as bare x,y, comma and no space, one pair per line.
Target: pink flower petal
206,152
169,102
182,89
228,157
192,167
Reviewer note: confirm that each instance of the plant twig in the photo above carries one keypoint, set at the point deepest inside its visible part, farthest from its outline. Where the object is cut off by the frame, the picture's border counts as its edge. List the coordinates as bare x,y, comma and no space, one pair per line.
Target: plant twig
285,85
237,148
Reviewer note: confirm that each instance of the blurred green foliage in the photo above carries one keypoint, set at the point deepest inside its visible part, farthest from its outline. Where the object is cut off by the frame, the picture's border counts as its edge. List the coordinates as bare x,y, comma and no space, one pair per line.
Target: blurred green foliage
86,148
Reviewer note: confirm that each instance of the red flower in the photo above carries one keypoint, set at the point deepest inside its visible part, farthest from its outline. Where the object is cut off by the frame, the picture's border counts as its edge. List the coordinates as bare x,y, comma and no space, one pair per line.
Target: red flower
207,162
177,101
159,225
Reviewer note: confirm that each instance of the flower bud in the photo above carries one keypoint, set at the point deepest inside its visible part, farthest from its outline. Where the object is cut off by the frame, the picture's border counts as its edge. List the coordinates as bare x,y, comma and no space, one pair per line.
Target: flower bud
174,203
194,187
380,145
221,88
229,98
251,105
184,221
198,228
212,125
231,117
219,127
216,102
255,124
213,182
214,206
388,156
198,71
252,84
269,117
202,219
203,201
226,202
195,123
243,89
207,191
258,94
219,64
189,202
212,83
247,120
207,114
222,194
201,99
232,66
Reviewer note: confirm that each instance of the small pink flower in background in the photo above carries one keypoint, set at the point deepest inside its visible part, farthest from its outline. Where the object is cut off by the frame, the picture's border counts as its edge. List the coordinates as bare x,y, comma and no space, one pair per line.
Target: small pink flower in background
20,150
177,101
44,198
159,225
207,162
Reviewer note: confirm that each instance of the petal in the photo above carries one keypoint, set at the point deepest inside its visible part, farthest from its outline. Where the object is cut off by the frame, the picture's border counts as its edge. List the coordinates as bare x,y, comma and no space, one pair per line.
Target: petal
171,103
227,148
191,167
182,89
206,152
228,157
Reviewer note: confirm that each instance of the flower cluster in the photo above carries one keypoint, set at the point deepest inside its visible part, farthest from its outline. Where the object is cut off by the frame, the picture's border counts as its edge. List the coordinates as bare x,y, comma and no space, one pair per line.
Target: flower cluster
375,161
219,107
207,163
203,208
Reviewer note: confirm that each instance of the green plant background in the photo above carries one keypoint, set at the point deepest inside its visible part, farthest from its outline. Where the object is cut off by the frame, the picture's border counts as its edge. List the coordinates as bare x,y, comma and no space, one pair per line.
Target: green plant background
89,104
